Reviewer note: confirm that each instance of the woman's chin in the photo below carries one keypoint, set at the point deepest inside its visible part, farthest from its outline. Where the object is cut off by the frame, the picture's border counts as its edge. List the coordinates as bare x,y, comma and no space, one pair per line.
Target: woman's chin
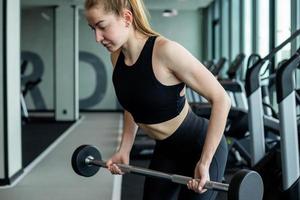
111,49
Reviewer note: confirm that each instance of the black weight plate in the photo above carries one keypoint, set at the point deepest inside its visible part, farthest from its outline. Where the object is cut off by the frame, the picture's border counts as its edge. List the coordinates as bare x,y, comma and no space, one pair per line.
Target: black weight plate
246,185
78,160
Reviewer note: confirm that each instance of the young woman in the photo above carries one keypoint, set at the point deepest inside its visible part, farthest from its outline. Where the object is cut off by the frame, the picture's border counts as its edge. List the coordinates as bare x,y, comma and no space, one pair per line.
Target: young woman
150,75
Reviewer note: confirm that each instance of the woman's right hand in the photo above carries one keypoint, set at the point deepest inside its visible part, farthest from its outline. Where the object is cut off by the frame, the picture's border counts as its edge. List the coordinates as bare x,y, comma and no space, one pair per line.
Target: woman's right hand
118,158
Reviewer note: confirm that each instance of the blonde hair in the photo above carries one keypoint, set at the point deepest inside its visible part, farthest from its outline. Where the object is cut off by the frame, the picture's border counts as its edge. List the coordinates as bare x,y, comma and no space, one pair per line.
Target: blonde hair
137,7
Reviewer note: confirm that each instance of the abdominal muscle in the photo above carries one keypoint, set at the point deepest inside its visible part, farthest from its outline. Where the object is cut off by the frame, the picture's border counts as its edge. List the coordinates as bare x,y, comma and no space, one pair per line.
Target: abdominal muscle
165,129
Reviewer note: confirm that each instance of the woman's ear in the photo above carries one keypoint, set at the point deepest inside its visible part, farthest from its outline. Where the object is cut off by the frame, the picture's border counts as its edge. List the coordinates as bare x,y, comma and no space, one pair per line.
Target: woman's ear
128,17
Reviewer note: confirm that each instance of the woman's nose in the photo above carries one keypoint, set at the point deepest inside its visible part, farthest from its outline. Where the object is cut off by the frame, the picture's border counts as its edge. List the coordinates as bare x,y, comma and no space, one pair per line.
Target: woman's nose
98,35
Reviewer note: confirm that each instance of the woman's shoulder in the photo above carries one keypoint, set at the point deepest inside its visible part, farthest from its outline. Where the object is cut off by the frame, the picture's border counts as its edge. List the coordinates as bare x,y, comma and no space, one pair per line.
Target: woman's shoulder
166,47
164,43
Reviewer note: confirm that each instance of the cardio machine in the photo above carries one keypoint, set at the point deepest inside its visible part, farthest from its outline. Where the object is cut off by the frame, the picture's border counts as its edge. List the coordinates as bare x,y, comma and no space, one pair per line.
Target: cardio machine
25,88
281,164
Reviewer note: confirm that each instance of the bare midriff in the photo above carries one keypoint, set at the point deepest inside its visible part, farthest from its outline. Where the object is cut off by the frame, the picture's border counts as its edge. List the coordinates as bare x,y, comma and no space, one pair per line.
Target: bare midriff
163,130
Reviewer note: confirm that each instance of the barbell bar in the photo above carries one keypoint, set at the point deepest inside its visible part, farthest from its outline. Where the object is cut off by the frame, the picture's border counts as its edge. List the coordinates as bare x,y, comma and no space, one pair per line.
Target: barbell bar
245,184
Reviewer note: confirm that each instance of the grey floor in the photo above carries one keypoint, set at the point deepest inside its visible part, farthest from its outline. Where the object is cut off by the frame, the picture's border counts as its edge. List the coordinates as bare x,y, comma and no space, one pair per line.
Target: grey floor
51,177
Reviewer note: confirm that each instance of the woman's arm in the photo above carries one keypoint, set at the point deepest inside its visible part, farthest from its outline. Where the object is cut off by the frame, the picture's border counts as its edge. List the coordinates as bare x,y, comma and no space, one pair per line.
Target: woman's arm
129,132
122,155
188,69
128,136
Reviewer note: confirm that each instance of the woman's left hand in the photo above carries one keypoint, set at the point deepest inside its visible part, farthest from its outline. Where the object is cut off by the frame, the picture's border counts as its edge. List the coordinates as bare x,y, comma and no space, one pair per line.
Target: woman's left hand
201,177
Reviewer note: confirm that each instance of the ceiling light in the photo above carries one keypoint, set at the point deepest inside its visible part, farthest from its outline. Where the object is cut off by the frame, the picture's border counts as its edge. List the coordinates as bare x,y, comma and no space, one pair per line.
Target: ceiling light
170,13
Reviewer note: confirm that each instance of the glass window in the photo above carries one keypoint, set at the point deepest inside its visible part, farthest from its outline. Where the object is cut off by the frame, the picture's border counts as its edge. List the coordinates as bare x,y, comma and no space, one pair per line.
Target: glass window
263,28
235,28
216,30
209,28
248,49
225,32
248,27
283,28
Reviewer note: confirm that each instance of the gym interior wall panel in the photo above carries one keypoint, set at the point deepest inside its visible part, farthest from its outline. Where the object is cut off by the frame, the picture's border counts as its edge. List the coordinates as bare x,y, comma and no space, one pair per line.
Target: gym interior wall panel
247,31
76,61
225,33
235,33
202,34
183,28
65,64
96,91
13,87
37,46
254,26
1,96
295,22
295,25
217,40
209,24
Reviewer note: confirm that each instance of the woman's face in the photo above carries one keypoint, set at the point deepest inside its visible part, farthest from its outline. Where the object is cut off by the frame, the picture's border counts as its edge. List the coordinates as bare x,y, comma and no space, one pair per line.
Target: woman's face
110,30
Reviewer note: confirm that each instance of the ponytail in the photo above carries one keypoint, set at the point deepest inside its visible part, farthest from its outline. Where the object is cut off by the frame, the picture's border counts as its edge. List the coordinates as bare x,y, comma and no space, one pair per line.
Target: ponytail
140,18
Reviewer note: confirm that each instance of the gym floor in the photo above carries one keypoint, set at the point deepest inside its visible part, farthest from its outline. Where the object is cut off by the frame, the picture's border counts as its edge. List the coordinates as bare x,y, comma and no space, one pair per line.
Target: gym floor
38,134
50,176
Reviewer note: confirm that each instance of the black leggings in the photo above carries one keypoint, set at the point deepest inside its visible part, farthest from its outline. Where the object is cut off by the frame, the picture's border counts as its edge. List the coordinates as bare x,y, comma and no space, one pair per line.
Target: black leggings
179,154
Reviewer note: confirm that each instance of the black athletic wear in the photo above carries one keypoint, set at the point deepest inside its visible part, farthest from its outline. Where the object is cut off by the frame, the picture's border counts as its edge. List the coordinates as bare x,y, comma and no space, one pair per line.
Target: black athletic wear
150,102
140,93
179,154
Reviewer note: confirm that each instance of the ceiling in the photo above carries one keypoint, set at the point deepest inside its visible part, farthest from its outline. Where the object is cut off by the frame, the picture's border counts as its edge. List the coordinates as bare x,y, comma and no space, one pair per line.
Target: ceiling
150,4
177,4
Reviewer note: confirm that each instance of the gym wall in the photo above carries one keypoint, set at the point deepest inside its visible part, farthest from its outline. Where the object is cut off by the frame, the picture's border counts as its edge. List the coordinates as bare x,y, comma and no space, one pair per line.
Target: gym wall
37,46
96,91
95,71
185,28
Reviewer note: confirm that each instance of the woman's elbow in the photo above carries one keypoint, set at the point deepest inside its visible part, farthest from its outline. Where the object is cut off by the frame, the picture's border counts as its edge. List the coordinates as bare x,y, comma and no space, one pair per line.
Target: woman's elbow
227,101
222,99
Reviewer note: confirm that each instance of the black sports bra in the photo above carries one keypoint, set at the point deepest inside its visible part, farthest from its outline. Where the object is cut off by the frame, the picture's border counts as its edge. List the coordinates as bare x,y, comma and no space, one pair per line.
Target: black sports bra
141,94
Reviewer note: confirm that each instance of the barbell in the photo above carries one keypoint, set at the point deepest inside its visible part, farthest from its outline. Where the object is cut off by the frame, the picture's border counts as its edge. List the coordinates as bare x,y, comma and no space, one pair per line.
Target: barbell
244,185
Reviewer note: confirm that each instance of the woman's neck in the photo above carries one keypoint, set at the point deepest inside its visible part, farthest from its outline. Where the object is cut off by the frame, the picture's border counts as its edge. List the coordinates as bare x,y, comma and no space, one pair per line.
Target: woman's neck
133,47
